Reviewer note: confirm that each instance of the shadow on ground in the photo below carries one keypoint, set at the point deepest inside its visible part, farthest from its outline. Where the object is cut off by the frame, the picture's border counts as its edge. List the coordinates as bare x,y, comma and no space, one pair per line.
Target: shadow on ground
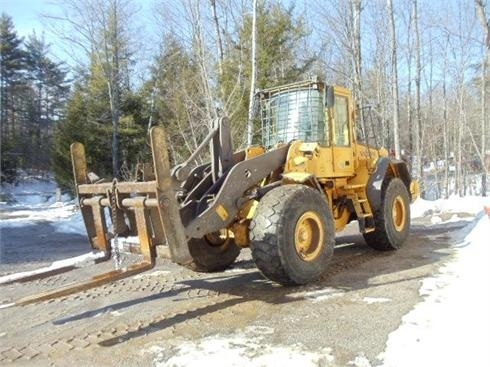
353,267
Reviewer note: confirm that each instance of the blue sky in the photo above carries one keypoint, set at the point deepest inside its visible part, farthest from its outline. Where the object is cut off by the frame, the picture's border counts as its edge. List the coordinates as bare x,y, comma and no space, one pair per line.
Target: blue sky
25,14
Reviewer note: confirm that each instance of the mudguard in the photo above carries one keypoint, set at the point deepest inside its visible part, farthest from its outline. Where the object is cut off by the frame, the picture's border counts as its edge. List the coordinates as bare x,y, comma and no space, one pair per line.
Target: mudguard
375,182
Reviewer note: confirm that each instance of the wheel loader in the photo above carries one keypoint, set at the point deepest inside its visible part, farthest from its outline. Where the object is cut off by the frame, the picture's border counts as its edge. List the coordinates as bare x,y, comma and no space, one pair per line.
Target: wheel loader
285,198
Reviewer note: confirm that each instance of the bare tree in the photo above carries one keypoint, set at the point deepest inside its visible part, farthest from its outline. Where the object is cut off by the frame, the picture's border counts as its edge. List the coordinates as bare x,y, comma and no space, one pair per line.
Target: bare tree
485,22
99,30
417,169
355,6
394,79
253,76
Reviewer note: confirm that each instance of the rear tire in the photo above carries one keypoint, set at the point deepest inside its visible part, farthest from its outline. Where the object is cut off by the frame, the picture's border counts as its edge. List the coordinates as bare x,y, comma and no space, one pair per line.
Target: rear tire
392,219
292,235
213,252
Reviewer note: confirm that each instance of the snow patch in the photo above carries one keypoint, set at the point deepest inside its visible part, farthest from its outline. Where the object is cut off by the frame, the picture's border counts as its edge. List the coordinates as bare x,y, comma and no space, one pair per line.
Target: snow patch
49,213
471,205
317,295
156,273
451,327
360,361
371,300
78,261
242,349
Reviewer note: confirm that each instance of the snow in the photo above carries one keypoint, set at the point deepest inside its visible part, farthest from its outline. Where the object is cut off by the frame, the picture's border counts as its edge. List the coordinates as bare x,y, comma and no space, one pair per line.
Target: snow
471,205
247,348
451,327
77,261
317,294
371,300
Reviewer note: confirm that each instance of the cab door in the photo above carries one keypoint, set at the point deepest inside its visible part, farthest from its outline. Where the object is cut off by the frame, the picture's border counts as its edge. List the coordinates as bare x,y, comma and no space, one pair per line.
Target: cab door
342,140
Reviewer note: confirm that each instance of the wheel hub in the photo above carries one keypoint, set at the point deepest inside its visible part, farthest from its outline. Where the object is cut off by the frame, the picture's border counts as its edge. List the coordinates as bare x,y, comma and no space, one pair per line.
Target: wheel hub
399,216
309,236
217,239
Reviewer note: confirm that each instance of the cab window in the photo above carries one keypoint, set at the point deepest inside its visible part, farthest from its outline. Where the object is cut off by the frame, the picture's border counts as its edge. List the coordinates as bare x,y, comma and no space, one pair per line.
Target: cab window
341,126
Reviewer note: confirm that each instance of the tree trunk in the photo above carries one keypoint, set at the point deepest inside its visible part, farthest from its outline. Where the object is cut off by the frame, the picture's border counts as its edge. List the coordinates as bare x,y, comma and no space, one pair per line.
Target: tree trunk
250,123
356,51
394,80
418,75
485,22
219,45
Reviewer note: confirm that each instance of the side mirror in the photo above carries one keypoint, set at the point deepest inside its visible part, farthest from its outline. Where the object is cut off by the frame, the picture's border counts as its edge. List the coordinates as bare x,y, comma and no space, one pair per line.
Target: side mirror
329,97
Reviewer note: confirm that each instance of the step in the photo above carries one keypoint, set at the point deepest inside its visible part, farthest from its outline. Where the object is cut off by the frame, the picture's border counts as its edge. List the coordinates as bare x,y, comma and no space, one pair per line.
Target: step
354,186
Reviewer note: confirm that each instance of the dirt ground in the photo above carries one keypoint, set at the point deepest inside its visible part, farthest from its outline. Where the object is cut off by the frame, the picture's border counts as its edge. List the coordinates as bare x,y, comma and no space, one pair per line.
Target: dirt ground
141,320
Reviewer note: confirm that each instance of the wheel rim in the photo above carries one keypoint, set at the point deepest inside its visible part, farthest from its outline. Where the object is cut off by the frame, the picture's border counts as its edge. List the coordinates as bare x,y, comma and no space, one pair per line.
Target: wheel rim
399,213
309,236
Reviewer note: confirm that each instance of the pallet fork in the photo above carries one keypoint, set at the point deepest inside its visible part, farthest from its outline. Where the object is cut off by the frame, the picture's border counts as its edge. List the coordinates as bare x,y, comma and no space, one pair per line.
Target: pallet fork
169,206
138,208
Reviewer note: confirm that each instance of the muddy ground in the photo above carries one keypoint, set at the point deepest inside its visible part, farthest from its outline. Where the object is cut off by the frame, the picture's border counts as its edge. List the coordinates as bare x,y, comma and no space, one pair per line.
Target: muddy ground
141,321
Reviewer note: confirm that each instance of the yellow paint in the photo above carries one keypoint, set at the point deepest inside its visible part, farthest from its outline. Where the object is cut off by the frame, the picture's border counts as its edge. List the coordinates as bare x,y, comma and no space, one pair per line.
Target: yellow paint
241,233
254,151
221,211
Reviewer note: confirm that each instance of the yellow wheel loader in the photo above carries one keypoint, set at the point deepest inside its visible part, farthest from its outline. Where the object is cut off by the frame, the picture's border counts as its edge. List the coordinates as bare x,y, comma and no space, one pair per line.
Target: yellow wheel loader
285,199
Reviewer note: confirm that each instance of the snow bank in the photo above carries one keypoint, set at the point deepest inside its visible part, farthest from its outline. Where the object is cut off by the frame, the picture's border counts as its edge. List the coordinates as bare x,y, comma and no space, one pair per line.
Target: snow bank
31,191
34,199
451,327
46,213
471,205
77,261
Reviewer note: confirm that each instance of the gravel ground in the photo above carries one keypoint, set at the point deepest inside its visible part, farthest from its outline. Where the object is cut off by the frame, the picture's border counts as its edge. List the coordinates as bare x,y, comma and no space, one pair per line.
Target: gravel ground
165,315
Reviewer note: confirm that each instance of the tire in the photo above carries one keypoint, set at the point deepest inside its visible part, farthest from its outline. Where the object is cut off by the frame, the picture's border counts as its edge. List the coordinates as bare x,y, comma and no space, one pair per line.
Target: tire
292,235
214,252
392,219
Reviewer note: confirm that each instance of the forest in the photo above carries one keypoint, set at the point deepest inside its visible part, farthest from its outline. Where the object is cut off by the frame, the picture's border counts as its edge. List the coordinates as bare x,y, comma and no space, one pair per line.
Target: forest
423,66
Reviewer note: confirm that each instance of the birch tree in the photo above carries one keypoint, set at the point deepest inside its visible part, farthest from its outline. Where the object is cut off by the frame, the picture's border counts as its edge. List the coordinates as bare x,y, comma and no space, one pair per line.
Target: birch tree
253,76
485,23
394,79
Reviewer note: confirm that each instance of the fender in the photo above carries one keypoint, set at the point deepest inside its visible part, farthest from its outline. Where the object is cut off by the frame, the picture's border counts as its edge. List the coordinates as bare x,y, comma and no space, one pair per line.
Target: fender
375,183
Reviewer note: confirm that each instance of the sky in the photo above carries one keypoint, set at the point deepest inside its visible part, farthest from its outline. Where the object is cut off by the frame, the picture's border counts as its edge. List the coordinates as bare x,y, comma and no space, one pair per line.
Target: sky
25,14
27,18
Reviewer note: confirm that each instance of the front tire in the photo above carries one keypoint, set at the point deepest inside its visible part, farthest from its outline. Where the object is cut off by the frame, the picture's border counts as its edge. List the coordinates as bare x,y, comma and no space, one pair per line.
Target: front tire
214,252
392,219
292,235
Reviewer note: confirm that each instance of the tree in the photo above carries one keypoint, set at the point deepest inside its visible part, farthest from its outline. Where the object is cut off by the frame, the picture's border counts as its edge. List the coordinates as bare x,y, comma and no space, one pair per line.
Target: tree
86,121
394,79
49,94
485,22
101,29
279,37
12,82
178,102
253,76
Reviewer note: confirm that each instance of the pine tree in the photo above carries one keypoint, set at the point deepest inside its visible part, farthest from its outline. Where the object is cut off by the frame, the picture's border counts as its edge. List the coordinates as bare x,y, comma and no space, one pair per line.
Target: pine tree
12,63
48,98
279,38
88,121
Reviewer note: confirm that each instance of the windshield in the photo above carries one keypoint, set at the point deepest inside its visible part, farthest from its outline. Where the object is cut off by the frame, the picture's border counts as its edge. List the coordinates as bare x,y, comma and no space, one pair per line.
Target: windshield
291,115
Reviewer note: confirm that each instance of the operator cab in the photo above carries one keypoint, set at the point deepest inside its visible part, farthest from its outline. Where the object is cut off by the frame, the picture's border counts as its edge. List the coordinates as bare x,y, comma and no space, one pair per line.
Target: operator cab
311,112
307,111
